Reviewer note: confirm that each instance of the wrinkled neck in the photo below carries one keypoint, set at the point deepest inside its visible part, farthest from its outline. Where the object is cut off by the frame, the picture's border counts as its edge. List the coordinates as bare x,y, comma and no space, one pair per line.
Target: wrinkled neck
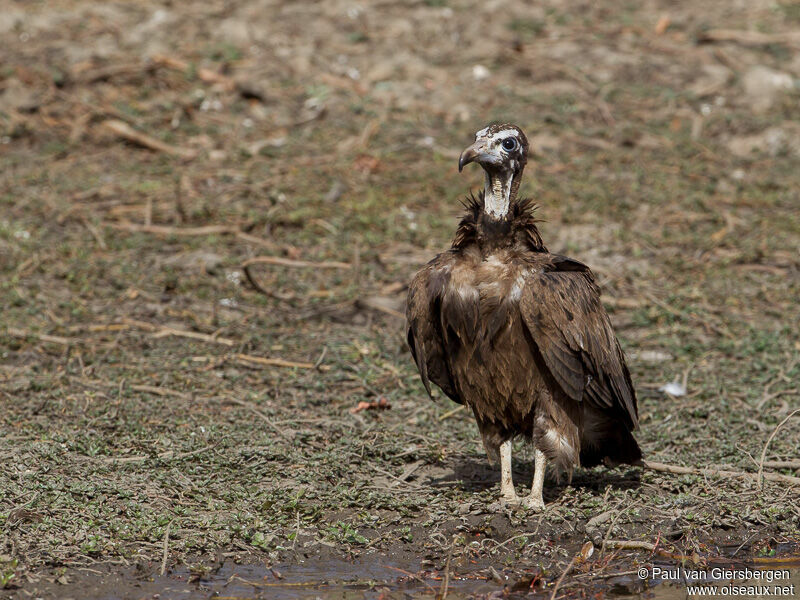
500,188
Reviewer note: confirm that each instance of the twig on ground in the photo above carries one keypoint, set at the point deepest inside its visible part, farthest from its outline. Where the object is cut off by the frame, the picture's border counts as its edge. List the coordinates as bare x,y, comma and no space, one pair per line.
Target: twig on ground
563,574
450,413
283,262
764,450
168,455
166,549
582,555
163,331
125,131
629,545
446,581
751,38
43,337
98,237
279,362
260,414
679,470
288,262
412,575
160,391
192,231
181,231
782,464
206,75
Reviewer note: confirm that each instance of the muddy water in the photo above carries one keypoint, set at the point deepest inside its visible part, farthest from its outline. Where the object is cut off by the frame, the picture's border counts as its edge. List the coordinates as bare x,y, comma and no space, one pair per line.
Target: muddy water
329,580
778,581
377,579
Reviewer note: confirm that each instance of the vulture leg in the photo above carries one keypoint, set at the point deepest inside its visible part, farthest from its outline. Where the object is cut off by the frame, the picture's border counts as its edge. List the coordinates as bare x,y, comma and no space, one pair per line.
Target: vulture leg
535,500
508,495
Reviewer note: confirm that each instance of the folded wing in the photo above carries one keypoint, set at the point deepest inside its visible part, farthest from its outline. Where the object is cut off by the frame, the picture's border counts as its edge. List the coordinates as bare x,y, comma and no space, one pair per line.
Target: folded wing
561,308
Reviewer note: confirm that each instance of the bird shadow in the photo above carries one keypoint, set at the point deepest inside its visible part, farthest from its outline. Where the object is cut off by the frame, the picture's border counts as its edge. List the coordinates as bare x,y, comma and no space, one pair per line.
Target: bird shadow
476,475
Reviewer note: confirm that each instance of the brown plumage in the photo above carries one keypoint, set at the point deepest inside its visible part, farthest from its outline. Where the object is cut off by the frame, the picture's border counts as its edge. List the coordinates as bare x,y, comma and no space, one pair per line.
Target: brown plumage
518,334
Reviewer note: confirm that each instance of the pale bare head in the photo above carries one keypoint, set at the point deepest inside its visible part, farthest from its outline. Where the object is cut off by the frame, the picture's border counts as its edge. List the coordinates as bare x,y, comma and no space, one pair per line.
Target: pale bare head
497,147
502,151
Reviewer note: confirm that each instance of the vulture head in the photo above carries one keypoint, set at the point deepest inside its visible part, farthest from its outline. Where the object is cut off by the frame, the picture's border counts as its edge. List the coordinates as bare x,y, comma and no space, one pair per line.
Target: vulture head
502,151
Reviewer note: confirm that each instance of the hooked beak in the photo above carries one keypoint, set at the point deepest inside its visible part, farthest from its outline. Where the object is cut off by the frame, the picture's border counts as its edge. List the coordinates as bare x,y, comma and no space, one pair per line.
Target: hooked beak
471,154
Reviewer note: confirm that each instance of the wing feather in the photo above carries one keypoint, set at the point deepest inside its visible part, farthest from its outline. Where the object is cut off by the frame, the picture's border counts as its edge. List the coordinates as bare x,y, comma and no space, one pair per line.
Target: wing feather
425,323
561,308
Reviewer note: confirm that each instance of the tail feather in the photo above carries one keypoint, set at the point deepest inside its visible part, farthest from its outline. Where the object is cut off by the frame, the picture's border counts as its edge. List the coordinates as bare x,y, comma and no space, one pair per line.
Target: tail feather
607,440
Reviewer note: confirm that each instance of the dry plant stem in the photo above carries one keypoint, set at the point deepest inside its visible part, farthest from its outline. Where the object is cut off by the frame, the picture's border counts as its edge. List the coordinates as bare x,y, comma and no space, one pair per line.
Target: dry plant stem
782,464
764,451
629,545
163,456
446,581
678,470
751,38
193,231
450,413
288,262
279,362
43,337
159,331
166,549
260,414
412,576
126,132
564,574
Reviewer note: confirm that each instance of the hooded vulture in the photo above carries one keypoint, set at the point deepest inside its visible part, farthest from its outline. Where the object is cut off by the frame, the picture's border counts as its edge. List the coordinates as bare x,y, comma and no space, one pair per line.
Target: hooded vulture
518,334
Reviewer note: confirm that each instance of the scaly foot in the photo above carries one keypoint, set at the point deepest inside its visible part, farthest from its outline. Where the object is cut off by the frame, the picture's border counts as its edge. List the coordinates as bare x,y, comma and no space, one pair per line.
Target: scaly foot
505,502
533,503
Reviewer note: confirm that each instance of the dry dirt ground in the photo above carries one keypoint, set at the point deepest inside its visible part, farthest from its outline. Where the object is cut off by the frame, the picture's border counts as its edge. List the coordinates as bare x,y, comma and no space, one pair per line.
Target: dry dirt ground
160,403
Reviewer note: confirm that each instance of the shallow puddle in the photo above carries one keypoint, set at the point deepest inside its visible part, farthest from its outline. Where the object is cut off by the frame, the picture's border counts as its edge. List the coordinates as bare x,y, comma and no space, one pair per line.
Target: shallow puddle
376,579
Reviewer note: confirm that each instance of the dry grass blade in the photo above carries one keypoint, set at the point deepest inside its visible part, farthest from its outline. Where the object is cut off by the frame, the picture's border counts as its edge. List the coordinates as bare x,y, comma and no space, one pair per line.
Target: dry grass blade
679,470
766,445
278,362
161,331
751,38
258,413
289,262
128,133
43,337
166,549
168,455
180,231
629,545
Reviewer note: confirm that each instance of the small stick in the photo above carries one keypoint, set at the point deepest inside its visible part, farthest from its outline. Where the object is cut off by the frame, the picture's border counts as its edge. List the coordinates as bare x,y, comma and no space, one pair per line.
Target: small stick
159,331
159,391
678,470
280,362
162,456
260,414
751,38
764,451
192,231
43,337
412,575
95,234
564,574
163,230
288,262
446,581
166,549
450,413
782,464
629,545
125,131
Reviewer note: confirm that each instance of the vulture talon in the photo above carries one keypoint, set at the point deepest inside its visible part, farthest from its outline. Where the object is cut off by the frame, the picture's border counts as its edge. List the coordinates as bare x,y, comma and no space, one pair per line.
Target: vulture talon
519,334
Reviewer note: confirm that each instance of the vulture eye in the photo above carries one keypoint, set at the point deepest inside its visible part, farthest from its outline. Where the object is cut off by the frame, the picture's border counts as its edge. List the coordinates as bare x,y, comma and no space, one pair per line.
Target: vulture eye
509,144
